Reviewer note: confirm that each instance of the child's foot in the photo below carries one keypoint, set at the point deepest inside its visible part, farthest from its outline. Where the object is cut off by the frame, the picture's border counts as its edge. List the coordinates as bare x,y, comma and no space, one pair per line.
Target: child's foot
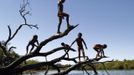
104,56
70,26
58,32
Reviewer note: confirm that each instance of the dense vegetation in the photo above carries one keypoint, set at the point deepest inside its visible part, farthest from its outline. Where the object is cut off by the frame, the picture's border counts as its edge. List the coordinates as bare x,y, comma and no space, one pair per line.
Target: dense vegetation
117,65
6,60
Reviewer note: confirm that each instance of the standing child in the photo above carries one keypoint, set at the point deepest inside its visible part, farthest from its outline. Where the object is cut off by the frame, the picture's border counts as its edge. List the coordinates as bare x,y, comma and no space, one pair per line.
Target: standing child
61,14
80,41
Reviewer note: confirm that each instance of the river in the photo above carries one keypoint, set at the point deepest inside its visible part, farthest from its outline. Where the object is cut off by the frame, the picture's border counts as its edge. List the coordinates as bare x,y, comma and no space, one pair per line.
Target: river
100,72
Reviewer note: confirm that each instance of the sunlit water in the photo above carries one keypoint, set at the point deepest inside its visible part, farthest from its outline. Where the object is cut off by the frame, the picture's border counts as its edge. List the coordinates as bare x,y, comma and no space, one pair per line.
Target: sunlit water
100,72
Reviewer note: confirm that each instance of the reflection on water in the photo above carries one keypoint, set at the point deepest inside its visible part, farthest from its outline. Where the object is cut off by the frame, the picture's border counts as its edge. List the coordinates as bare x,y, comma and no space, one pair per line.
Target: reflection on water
100,72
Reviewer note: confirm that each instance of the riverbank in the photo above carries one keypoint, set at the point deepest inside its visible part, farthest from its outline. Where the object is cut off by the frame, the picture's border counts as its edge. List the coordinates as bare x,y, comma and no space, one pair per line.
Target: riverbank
115,65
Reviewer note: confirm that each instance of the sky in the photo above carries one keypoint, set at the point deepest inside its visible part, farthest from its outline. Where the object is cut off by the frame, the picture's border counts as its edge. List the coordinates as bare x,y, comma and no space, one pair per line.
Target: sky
108,22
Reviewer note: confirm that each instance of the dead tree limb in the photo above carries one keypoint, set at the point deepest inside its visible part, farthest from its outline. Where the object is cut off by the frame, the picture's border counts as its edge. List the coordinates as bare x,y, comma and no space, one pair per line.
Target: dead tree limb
23,58
43,43
15,67
77,65
19,69
23,13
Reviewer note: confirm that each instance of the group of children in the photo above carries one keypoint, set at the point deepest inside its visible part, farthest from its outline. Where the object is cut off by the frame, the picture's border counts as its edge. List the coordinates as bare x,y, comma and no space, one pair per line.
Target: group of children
79,40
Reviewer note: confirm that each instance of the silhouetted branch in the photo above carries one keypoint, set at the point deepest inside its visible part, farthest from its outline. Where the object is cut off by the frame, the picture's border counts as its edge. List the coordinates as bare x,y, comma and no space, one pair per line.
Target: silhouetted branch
46,70
16,67
78,65
84,69
105,68
10,33
12,47
23,13
12,70
35,53
43,43
103,63
92,66
55,50
23,58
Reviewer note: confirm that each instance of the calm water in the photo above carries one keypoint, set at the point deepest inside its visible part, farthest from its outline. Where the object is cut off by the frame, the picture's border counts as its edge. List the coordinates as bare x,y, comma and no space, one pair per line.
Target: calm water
101,72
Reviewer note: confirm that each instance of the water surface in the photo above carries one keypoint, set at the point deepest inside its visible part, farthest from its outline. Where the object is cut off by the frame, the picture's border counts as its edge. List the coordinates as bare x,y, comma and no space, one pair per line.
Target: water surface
100,72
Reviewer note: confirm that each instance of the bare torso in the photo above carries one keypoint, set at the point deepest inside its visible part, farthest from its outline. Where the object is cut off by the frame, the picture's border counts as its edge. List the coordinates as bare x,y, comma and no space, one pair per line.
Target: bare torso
79,42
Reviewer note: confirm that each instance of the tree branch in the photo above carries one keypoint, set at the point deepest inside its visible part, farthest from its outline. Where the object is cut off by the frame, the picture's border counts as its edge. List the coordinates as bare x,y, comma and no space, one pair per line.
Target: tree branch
12,47
77,65
43,43
10,33
31,66
23,12
23,58
36,52
15,67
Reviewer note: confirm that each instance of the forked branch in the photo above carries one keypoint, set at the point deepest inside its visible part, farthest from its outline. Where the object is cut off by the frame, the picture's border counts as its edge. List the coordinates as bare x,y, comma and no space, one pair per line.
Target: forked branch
23,12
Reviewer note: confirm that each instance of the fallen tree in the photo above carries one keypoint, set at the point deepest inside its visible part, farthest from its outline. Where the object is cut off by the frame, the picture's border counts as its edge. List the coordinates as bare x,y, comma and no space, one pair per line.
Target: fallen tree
15,67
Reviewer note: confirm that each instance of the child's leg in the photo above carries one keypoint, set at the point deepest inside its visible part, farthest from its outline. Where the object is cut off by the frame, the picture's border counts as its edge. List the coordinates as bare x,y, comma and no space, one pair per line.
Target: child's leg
59,24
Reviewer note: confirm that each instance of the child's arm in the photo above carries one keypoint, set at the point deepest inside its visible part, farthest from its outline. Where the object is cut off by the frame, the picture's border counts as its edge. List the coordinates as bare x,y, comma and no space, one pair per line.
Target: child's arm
72,43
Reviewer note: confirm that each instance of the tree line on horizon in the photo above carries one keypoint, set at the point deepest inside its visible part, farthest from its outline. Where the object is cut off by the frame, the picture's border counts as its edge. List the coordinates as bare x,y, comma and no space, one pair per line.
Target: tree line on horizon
115,65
